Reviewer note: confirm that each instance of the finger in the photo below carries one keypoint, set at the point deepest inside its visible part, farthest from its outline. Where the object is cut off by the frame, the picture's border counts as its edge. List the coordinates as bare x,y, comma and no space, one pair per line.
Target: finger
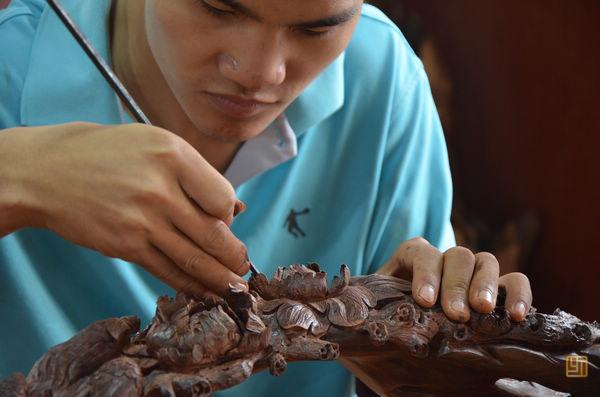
419,260
166,270
484,285
195,262
212,235
459,263
205,185
518,294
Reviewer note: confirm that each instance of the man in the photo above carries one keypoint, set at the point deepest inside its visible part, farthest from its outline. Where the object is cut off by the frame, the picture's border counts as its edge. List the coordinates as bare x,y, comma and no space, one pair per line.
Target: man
284,105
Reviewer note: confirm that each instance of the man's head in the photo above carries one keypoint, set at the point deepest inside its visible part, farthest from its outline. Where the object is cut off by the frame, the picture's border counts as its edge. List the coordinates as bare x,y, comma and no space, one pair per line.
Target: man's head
235,65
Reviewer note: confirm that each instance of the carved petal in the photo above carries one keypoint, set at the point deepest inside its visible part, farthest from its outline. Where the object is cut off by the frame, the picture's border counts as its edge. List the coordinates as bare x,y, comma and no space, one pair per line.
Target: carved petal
296,315
306,286
356,309
320,306
270,306
341,282
214,330
264,288
320,328
338,315
254,323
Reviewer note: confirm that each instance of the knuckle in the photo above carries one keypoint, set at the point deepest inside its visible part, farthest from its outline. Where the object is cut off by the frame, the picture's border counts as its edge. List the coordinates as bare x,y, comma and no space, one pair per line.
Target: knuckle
166,145
413,244
485,260
151,193
217,234
137,229
243,253
518,287
462,253
418,241
227,203
421,240
242,268
125,247
486,257
238,262
518,278
192,263
457,287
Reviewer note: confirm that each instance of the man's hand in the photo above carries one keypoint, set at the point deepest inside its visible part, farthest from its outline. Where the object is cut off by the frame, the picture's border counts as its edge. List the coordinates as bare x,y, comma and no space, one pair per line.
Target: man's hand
464,280
134,192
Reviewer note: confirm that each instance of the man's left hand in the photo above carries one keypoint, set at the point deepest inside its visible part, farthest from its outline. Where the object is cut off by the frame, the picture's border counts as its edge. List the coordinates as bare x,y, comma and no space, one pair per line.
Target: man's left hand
464,280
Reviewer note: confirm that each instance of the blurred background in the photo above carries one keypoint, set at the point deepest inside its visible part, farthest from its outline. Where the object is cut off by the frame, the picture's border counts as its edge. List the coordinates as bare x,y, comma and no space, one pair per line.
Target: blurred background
518,88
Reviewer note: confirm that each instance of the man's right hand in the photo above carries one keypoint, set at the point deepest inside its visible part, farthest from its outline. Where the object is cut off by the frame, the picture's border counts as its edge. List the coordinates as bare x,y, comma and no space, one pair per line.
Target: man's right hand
135,192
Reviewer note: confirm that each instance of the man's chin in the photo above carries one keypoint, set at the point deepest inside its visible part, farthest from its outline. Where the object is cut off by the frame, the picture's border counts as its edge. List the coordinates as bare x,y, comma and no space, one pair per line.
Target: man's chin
235,133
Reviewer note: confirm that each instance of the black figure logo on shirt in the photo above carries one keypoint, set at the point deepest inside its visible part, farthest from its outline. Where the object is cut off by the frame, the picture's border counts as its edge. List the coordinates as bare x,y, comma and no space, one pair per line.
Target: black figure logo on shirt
292,223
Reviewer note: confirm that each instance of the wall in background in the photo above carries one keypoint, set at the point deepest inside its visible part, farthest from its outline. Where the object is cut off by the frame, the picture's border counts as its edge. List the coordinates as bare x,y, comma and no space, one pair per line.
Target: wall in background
526,128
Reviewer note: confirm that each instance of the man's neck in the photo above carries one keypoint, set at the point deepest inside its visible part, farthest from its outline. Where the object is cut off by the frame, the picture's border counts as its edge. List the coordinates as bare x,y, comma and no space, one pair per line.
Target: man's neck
134,64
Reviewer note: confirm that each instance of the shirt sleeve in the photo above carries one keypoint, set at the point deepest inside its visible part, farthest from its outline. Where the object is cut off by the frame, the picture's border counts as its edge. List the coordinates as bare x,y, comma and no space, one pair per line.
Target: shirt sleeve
415,190
18,25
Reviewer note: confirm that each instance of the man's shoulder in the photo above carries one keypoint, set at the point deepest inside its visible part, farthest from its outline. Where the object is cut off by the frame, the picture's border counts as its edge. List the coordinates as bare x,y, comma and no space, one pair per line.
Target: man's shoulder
374,15
379,49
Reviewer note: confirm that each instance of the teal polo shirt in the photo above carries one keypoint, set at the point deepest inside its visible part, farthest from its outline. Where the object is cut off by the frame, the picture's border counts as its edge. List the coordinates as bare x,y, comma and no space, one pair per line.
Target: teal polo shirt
355,166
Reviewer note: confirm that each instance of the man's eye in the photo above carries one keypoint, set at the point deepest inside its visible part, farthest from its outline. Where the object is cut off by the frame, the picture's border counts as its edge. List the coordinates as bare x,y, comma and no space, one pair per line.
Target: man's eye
317,32
216,8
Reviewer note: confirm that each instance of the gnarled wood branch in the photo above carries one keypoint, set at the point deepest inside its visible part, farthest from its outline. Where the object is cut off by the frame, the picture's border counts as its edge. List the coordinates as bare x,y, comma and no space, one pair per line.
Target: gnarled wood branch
194,347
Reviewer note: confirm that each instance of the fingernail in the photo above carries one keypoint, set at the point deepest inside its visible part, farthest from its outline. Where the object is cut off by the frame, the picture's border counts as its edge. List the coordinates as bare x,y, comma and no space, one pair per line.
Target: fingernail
458,306
239,207
520,309
238,287
427,293
485,295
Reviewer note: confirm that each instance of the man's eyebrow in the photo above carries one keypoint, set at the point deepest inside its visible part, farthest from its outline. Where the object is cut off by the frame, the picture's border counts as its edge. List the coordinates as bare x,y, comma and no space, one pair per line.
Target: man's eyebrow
242,9
332,20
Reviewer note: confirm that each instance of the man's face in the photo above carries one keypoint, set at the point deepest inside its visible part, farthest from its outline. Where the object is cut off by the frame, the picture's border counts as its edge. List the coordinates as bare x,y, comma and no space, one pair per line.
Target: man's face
235,65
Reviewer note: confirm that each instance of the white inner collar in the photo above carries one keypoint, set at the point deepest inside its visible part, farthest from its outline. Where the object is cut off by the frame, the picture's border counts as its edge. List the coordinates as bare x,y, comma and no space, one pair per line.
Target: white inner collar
275,145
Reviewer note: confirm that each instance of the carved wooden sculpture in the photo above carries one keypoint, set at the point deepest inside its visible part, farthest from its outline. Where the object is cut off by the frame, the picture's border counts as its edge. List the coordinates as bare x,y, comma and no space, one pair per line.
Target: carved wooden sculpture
194,347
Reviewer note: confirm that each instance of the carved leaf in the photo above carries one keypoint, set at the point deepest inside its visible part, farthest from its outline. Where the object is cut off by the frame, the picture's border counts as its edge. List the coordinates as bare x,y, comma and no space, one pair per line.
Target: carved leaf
338,313
296,315
383,287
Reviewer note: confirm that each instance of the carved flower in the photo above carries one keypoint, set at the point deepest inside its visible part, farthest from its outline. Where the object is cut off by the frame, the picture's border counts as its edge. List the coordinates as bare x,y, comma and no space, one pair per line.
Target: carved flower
301,299
186,331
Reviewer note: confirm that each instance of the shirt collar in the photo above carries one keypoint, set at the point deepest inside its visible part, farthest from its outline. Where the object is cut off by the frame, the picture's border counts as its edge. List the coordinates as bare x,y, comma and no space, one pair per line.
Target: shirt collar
322,98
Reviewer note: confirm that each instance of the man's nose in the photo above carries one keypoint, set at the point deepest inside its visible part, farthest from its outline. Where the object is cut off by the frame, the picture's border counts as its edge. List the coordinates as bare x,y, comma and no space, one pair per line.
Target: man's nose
255,65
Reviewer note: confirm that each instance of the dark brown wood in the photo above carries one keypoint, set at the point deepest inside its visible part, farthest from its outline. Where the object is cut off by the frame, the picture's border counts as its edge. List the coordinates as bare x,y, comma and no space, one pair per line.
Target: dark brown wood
194,347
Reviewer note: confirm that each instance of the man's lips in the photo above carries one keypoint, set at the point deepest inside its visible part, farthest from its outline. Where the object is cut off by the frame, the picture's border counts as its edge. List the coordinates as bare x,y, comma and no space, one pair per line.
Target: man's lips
237,106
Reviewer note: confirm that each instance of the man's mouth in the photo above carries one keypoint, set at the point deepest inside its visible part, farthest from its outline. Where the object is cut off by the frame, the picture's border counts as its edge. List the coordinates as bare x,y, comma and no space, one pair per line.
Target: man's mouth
238,106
